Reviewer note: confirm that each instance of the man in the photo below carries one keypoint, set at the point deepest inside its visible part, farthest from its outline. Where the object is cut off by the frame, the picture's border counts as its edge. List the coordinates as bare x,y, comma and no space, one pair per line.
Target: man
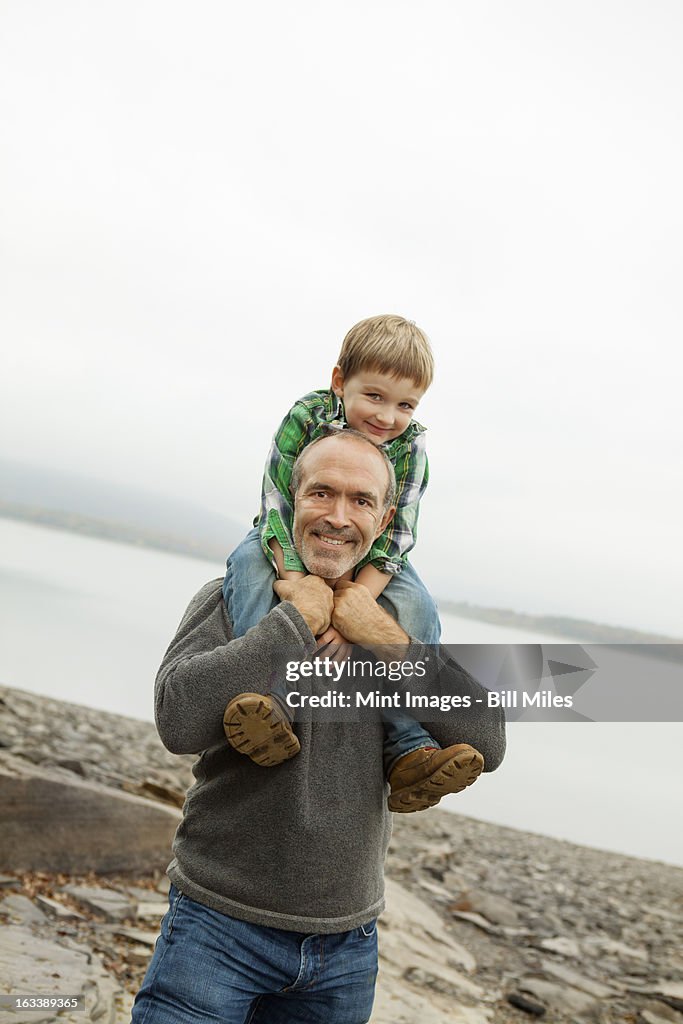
277,876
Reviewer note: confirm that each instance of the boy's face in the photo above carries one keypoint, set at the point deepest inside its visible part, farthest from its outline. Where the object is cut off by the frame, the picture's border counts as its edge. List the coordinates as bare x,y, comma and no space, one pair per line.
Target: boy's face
379,406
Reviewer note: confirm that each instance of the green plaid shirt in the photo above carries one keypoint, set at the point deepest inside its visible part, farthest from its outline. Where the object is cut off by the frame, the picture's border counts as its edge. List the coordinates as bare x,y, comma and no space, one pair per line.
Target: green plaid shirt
304,422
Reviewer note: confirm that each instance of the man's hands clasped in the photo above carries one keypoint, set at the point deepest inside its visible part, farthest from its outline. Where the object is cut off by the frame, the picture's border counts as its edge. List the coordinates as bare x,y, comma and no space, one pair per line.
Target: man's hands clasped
347,614
311,597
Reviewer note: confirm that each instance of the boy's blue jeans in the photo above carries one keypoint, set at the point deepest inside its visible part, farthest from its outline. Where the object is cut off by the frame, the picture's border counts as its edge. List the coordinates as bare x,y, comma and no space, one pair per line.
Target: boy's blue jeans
249,596
209,968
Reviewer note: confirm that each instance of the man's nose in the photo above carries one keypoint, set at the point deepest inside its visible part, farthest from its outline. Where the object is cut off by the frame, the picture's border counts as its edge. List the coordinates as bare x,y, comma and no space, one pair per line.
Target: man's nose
337,514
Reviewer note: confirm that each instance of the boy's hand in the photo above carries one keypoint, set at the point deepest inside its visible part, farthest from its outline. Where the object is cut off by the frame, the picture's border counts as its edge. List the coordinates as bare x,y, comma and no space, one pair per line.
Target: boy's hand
311,597
292,574
333,645
361,620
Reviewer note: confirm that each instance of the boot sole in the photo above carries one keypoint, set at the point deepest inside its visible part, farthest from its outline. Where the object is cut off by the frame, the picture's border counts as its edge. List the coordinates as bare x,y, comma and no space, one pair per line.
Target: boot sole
453,776
255,726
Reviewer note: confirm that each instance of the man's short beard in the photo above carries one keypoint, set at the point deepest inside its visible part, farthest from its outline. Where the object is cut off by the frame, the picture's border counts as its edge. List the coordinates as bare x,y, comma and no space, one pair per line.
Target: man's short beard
329,566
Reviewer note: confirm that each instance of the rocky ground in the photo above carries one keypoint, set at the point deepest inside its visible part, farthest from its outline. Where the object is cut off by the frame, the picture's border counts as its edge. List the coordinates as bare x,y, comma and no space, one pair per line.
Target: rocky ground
484,924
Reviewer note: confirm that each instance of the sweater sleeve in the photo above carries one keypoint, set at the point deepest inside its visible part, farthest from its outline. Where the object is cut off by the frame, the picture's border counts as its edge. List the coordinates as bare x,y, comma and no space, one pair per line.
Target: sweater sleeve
475,723
204,668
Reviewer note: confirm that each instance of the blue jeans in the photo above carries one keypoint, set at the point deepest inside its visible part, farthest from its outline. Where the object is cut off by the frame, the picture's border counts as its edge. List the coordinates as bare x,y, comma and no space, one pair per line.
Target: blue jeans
209,968
249,596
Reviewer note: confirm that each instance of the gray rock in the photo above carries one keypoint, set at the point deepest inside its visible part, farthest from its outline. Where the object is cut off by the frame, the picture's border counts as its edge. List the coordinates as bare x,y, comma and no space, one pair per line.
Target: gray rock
563,946
561,998
612,947
580,981
144,895
137,935
419,928
521,1002
153,910
114,906
139,955
42,810
674,989
659,1013
56,909
481,922
21,909
434,889
32,964
496,909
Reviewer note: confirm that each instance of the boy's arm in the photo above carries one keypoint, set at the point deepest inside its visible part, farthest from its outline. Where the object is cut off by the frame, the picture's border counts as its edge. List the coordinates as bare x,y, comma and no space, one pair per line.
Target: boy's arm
278,555
276,501
373,579
389,552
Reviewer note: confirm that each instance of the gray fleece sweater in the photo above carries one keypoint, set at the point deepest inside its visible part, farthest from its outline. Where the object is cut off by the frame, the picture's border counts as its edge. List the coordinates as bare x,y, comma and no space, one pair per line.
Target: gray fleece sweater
300,846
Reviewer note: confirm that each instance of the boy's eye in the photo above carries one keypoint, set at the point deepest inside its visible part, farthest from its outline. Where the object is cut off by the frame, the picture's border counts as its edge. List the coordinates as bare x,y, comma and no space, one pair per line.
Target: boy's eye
406,405
373,396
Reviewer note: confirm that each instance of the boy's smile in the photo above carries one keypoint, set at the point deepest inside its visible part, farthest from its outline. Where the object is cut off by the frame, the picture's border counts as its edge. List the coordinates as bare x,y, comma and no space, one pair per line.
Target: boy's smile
379,406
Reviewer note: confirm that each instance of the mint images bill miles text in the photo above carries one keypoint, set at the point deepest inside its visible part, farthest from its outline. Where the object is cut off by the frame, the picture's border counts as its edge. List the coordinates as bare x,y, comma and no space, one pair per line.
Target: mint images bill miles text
415,701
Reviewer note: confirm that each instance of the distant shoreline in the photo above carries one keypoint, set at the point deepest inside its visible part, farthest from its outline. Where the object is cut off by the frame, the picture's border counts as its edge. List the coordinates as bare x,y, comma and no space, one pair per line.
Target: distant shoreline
576,630
109,529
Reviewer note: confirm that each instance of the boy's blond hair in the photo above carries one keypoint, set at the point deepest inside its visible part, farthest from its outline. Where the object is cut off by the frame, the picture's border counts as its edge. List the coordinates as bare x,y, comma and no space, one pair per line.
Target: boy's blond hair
391,345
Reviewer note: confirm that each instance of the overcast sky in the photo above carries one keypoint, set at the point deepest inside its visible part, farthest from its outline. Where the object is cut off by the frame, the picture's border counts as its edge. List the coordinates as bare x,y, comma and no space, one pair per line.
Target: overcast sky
198,200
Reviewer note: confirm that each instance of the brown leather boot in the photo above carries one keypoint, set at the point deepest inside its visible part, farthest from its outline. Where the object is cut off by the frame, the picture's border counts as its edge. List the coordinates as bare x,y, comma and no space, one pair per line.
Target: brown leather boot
419,780
256,725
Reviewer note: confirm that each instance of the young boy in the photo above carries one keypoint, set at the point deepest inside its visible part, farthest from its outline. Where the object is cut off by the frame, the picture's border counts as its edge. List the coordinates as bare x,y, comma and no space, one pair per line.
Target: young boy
384,368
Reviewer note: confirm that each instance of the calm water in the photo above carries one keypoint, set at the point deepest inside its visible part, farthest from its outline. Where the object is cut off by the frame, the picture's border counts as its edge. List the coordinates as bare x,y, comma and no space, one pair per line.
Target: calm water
88,621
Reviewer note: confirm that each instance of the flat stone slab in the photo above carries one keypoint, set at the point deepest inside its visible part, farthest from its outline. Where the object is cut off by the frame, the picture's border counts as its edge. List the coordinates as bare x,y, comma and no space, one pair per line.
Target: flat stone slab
580,981
152,911
418,976
113,906
496,909
137,935
56,909
563,946
418,924
52,820
30,964
561,998
21,910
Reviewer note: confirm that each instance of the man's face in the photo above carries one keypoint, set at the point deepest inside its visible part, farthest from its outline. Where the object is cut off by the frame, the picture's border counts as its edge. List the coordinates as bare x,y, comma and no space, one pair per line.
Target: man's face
338,507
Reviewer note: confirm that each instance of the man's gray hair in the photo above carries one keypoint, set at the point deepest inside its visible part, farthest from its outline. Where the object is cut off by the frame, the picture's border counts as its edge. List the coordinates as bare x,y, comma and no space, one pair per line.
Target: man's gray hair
347,434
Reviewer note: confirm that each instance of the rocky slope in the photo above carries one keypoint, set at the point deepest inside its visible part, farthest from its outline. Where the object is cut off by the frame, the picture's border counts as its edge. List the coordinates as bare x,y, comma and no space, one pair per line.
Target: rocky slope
484,924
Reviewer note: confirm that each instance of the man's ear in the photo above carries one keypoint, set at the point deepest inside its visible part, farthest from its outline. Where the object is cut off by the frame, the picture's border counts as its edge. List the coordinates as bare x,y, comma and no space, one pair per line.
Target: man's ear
338,382
385,520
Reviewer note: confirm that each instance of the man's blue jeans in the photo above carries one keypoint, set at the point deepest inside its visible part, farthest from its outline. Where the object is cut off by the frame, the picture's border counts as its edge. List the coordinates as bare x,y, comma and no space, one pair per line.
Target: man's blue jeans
208,968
